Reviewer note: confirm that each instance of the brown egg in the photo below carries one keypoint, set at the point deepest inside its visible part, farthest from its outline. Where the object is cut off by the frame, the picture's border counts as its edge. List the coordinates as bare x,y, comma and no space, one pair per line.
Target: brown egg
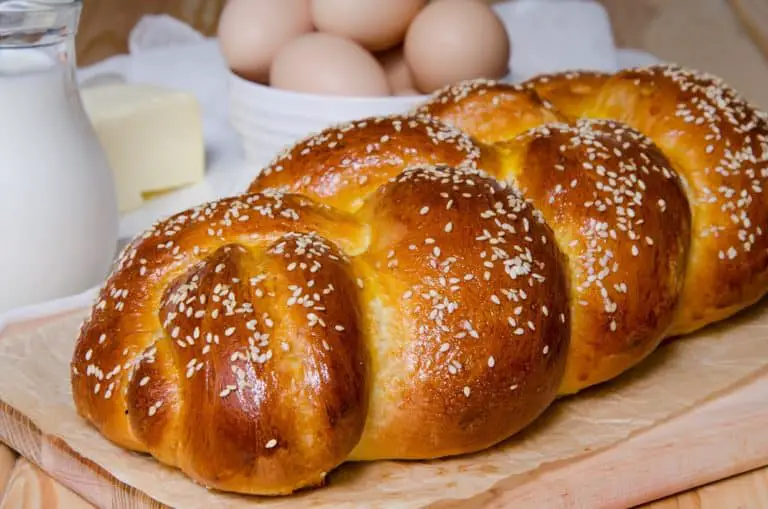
396,68
322,63
252,31
454,40
375,24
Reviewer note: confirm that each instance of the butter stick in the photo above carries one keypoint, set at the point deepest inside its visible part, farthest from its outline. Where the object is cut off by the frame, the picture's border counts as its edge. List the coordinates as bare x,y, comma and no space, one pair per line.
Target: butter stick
153,138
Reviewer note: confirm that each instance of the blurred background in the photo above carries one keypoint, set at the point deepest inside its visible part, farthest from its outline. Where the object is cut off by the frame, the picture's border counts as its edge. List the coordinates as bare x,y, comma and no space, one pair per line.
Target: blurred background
725,37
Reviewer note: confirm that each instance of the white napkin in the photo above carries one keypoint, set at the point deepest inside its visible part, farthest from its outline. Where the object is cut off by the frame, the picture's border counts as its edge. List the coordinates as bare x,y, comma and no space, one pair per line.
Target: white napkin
554,35
49,308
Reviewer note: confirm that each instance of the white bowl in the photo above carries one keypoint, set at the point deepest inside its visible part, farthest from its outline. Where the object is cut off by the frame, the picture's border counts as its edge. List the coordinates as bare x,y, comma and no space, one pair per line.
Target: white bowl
269,119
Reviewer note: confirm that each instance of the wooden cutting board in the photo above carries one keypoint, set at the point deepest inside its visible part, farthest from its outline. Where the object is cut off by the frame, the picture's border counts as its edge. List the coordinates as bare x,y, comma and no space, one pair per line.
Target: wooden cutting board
723,437
40,491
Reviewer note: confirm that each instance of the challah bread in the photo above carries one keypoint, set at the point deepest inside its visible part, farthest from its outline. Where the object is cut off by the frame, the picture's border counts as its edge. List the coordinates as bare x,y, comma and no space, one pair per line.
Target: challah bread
489,117
570,93
342,165
415,287
202,348
622,219
465,299
715,140
718,143
618,211
258,342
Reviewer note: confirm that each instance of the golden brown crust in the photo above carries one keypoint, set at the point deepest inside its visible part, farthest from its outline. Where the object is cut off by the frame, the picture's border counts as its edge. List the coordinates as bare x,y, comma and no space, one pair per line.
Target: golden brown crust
718,143
197,343
342,165
477,346
236,343
259,341
600,186
489,111
570,93
714,139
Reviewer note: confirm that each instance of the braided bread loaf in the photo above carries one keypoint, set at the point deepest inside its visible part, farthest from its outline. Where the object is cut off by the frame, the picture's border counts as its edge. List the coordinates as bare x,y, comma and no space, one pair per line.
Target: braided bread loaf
399,288
714,140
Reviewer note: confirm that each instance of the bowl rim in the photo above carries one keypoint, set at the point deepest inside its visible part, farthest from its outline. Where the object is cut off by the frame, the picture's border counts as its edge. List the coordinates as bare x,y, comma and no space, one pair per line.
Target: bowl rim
291,95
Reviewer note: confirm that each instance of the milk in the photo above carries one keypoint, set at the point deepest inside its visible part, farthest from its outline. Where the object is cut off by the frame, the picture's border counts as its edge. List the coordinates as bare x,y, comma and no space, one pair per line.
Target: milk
58,212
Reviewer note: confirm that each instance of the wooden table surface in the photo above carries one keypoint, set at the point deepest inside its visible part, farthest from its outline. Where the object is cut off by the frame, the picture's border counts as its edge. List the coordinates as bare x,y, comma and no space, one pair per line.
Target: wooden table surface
747,491
23,486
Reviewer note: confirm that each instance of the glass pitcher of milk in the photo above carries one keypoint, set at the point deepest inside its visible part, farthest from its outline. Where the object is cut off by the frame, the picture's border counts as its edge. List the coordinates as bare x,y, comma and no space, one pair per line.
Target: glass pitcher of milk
58,206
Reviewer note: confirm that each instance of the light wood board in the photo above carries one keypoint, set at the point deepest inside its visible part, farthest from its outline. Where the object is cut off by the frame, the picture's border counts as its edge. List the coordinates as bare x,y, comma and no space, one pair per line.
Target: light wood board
719,439
28,487
746,491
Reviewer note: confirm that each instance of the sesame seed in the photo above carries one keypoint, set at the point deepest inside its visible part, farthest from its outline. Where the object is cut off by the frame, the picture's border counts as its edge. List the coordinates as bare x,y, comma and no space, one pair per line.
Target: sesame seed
467,391
491,361
154,408
272,443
